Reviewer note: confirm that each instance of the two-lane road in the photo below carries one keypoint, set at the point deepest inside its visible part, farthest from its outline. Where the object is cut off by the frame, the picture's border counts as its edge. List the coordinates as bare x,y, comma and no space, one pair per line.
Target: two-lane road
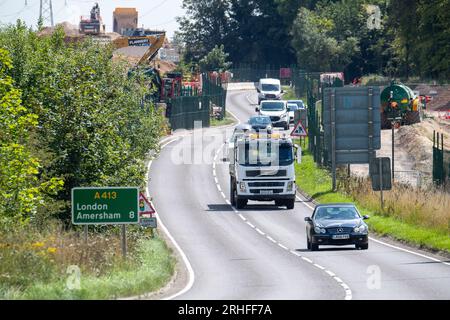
260,252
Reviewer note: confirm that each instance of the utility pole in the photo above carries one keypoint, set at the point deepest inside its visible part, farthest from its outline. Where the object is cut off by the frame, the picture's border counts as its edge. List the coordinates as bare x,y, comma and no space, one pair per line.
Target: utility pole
46,11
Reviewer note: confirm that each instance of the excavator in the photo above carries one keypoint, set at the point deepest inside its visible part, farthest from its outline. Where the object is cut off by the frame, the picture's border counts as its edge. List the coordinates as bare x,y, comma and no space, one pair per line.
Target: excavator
169,86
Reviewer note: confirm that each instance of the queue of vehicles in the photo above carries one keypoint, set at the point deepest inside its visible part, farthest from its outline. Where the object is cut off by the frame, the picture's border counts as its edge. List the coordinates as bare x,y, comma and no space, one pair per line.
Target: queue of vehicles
261,167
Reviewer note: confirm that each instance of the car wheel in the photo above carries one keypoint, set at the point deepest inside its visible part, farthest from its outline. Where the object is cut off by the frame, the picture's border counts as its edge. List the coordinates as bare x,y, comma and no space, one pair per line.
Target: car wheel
362,246
290,204
314,247
308,244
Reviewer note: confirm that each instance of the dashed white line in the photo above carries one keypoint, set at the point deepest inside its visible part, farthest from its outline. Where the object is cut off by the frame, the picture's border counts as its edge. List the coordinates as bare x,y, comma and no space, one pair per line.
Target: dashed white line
307,259
387,244
319,266
331,274
348,292
271,239
259,231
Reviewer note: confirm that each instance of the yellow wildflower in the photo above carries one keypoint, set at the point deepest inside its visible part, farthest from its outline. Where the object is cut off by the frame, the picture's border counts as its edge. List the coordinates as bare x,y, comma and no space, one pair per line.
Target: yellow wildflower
51,250
38,245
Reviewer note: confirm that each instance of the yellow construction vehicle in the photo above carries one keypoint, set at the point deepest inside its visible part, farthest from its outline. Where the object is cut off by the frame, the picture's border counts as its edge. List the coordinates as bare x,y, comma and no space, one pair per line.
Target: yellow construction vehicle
153,42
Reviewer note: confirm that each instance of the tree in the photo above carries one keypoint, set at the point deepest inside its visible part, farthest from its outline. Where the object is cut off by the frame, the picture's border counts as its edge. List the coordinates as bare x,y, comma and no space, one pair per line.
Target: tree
317,49
21,193
215,60
95,126
204,25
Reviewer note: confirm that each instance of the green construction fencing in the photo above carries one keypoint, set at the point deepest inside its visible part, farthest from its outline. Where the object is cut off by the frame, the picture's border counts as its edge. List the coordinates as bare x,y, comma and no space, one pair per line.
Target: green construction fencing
308,85
248,72
198,106
441,161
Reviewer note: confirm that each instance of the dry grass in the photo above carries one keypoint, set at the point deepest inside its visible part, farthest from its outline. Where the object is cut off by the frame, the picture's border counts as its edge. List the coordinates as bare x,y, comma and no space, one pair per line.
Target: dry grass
427,208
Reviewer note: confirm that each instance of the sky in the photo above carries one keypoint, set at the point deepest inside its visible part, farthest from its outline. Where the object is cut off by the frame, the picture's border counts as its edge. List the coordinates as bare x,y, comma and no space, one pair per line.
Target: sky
153,14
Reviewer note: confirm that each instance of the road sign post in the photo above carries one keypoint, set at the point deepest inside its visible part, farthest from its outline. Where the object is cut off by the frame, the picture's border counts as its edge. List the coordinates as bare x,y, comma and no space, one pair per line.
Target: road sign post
146,212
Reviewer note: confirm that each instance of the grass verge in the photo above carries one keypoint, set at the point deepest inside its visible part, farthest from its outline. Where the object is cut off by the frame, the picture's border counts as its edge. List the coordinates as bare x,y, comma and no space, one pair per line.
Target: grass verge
229,119
408,223
63,267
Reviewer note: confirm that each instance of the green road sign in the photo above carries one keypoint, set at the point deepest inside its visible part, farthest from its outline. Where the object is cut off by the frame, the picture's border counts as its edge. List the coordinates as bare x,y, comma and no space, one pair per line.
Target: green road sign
105,205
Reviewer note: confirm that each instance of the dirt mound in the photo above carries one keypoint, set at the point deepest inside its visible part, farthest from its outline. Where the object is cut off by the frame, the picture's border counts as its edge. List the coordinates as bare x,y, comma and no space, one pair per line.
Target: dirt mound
69,29
440,94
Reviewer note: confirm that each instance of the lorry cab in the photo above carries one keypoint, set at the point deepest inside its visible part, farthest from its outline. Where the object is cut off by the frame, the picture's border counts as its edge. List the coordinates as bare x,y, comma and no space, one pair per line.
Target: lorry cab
269,89
262,169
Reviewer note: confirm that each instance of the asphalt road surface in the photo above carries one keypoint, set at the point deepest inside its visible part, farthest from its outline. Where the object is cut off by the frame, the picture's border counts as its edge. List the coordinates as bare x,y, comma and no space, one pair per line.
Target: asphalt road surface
260,252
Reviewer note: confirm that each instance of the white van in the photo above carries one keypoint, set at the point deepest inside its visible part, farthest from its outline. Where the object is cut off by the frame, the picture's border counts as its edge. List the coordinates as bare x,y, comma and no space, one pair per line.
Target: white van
276,110
269,89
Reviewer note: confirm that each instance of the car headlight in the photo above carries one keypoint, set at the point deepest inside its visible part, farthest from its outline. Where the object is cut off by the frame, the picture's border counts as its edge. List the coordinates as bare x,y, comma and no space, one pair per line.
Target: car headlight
319,230
361,229
242,186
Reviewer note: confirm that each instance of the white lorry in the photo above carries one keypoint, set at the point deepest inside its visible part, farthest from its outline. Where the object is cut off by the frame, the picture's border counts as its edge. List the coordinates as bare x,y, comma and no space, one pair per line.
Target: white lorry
262,169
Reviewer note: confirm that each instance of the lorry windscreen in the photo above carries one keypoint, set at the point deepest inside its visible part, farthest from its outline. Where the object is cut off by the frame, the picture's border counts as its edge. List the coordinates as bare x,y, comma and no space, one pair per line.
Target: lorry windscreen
265,154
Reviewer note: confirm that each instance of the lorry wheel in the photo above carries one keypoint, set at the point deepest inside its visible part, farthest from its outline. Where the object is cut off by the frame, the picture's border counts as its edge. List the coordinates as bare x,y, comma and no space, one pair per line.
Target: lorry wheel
232,191
290,204
240,203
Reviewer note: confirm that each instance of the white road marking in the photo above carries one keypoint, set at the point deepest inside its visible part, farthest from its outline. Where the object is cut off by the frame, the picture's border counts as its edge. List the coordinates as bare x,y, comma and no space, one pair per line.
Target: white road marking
348,292
331,274
166,231
259,231
319,266
219,188
271,239
307,259
387,244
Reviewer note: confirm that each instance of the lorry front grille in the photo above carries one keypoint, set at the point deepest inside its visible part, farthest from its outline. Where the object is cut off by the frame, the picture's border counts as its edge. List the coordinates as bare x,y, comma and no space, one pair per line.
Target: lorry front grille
257,173
274,118
266,184
270,96
258,191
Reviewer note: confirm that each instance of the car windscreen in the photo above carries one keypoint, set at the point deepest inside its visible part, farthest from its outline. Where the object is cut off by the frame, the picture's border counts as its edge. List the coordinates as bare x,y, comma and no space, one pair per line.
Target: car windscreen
259,120
270,87
298,103
292,106
272,106
336,213
259,153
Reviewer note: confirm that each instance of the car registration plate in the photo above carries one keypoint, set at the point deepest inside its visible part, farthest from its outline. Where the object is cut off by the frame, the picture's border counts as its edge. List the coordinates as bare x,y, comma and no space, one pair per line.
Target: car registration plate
341,236
266,192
